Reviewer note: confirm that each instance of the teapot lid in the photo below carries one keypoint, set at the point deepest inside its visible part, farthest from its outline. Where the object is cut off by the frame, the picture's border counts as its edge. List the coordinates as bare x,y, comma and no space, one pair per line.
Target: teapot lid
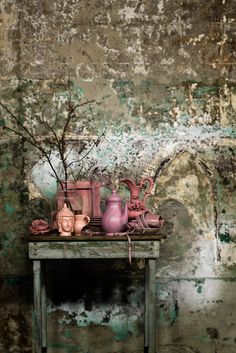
114,197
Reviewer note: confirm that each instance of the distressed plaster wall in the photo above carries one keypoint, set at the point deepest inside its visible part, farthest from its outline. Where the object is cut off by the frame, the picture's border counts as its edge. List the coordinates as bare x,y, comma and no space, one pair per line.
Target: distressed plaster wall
164,75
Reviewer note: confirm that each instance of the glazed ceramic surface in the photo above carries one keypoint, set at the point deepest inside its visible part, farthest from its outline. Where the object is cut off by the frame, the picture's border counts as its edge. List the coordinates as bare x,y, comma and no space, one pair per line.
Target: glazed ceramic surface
80,222
115,217
136,205
84,196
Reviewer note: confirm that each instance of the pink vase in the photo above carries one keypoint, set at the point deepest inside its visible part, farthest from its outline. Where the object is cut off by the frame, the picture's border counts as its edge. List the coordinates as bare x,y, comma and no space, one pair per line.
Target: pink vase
80,222
115,218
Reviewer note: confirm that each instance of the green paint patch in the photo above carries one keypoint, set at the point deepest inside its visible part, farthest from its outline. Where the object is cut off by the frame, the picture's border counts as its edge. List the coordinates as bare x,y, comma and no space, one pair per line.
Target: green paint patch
78,93
7,243
124,327
199,285
168,314
200,92
228,131
120,330
124,89
173,313
121,326
225,237
2,122
67,348
161,318
162,292
12,281
68,334
199,289
202,339
9,208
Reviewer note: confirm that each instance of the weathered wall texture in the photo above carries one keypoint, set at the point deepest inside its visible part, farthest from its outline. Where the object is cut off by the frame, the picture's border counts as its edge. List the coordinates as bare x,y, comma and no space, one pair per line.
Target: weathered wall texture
164,75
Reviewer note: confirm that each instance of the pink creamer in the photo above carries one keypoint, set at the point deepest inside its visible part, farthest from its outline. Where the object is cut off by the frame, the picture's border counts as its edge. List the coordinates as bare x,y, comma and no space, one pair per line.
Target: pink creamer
115,218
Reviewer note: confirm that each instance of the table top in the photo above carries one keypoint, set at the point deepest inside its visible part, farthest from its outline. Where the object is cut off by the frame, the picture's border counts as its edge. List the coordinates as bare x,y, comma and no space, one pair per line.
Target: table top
93,238
44,247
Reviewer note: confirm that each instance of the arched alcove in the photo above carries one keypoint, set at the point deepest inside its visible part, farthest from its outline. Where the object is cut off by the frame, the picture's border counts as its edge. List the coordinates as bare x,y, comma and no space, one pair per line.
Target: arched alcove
184,197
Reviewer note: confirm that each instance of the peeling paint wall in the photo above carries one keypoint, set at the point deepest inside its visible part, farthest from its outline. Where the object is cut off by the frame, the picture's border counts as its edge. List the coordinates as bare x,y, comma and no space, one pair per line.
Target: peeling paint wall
163,77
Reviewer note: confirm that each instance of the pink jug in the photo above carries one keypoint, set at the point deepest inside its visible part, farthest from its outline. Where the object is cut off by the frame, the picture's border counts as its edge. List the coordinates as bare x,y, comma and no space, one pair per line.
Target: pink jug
115,218
80,222
136,205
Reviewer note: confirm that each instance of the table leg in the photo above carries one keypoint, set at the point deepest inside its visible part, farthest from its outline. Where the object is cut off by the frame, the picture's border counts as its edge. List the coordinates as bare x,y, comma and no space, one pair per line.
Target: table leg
150,317
152,305
37,324
44,308
146,308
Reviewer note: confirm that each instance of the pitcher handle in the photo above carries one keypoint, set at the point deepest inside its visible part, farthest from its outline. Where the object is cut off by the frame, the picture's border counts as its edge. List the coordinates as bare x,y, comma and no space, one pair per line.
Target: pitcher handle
87,219
150,181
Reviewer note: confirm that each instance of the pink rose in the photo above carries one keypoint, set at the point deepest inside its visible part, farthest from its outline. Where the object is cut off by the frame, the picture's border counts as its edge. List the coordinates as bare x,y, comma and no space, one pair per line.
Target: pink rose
39,226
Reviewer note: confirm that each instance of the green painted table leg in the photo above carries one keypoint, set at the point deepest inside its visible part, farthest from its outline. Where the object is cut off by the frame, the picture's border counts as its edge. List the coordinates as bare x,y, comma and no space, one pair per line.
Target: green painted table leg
37,324
150,305
146,307
44,308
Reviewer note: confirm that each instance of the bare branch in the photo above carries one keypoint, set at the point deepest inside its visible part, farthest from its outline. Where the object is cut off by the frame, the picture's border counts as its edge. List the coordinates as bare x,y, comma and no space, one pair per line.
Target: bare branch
96,143
30,138
53,139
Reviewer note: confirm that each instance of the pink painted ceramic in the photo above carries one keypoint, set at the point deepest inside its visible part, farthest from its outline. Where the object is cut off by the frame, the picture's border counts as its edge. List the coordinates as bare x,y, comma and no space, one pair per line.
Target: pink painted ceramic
146,221
84,196
65,221
136,205
152,220
80,222
115,218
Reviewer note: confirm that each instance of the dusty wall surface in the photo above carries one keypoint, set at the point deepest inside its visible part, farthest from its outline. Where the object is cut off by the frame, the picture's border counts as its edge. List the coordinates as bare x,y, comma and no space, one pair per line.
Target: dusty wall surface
163,77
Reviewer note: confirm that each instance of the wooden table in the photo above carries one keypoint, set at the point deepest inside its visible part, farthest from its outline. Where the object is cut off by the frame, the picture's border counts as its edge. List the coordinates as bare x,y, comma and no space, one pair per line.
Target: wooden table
50,247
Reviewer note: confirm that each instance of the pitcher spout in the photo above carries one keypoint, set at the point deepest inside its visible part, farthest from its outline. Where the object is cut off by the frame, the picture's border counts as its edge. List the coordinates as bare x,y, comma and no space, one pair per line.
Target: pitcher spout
133,188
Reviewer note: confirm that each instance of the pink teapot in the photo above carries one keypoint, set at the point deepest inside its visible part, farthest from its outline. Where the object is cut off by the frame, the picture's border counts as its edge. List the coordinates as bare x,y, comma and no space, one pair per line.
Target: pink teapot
115,218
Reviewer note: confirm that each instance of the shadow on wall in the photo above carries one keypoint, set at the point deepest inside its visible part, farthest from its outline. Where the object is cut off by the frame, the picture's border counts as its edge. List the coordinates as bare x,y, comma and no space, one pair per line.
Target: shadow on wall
185,198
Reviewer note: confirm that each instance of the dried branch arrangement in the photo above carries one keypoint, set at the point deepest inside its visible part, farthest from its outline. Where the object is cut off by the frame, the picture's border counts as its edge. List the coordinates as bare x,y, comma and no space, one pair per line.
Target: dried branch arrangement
54,120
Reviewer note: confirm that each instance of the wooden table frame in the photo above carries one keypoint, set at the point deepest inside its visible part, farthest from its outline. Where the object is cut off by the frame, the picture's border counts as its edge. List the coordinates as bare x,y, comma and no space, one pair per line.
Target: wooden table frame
43,248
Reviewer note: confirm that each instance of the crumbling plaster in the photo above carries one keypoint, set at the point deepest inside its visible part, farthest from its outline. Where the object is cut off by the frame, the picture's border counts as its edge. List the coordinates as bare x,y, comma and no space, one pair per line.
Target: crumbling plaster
163,74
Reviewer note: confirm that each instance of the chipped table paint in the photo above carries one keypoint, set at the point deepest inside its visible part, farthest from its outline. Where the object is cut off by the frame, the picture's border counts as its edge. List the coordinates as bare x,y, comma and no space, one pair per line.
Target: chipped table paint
43,248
